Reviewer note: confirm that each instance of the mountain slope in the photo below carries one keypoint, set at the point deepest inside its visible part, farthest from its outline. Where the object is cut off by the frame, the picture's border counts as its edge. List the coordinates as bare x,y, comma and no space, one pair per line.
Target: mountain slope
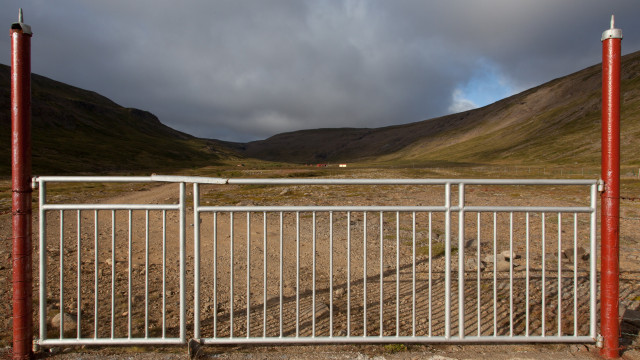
76,130
555,123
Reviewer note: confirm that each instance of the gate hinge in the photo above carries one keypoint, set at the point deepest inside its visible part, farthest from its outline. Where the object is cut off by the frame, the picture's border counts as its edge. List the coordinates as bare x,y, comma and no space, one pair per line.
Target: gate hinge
599,341
34,183
601,186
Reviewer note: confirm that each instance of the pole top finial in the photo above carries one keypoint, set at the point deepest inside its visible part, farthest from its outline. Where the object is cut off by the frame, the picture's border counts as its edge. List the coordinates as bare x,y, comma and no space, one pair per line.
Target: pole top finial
20,25
613,21
612,32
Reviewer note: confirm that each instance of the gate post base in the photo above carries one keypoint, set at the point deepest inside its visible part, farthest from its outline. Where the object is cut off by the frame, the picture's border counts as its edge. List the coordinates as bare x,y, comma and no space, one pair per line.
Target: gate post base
609,353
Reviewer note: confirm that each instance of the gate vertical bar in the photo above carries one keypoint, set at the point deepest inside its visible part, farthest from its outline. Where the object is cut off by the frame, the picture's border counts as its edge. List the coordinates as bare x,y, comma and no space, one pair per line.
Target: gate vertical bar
248,274
183,260
381,274
593,281
447,262
610,213
196,261
61,272
461,261
21,187
42,220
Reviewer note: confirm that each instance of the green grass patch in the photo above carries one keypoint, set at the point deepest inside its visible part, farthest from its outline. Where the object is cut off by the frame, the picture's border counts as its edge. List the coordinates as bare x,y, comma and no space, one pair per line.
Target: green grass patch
437,249
308,174
395,348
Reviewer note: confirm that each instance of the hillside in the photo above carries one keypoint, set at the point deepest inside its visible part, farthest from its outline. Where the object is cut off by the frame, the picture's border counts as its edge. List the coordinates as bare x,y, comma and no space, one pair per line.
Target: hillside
76,130
555,123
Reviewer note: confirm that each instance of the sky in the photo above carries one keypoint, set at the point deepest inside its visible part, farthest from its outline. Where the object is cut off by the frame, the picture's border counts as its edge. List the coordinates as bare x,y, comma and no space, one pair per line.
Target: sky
242,70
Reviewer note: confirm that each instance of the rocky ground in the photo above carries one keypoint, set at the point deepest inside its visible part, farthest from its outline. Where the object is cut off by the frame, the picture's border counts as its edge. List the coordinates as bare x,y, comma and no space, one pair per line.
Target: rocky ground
338,290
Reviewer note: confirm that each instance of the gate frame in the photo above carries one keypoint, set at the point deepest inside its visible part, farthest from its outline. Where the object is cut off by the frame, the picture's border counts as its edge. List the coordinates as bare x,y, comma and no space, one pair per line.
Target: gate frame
44,207
447,208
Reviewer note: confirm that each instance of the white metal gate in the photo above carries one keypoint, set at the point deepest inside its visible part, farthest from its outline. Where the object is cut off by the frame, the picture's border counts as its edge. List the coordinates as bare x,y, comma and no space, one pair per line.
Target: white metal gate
107,246
438,270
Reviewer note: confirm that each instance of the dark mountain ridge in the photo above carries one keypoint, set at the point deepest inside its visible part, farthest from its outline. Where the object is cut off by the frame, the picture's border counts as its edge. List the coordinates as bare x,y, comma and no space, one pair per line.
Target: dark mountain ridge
76,130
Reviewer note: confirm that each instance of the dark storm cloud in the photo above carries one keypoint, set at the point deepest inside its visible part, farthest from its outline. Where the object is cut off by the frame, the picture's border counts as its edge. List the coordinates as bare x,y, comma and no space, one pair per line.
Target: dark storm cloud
241,70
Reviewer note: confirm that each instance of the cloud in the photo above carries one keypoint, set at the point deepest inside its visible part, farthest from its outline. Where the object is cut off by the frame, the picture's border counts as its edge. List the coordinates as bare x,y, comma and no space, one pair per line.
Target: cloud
460,103
486,85
243,70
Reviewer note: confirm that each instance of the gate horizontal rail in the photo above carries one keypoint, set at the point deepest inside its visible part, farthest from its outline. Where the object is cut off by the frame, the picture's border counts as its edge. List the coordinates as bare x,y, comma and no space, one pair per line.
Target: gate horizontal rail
320,274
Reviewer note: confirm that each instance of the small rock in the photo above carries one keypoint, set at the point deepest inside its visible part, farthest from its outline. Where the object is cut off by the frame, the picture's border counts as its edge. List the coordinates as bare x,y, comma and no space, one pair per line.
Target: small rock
503,265
69,321
471,264
502,285
500,257
507,255
582,253
339,292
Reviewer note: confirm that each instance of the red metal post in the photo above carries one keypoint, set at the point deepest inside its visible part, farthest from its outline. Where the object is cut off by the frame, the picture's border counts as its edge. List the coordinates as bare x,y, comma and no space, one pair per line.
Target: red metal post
21,187
610,198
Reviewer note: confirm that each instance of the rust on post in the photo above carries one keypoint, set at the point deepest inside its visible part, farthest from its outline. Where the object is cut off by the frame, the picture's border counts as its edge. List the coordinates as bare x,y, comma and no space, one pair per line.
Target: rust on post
21,188
610,197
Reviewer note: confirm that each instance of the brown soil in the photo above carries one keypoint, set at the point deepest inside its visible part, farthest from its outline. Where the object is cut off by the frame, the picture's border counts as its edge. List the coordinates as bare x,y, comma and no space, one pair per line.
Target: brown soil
331,292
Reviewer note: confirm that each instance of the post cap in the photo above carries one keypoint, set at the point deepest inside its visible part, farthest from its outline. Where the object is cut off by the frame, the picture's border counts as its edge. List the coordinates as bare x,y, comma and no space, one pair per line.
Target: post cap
612,32
26,29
